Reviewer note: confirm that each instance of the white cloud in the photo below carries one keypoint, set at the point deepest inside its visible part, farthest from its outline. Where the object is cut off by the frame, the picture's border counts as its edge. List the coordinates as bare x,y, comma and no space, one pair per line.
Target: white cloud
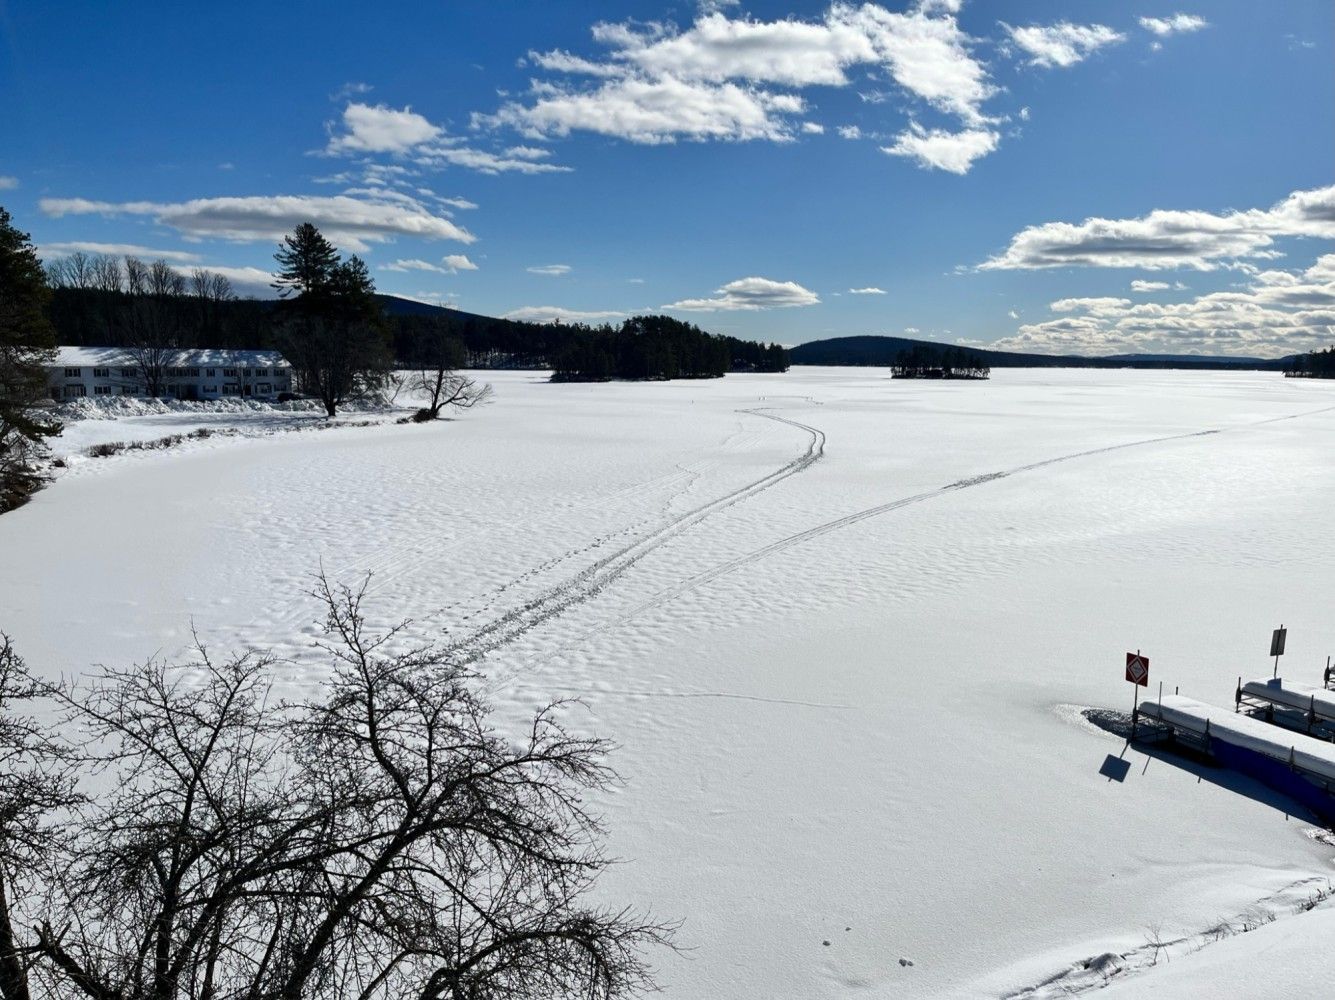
911,330
352,223
550,270
1171,239
370,129
381,129
1096,305
813,128
734,78
1062,44
1013,314
247,282
654,111
1140,285
448,154
866,291
1174,25
47,250
560,314
8,183
942,150
452,264
751,294
1278,312
849,132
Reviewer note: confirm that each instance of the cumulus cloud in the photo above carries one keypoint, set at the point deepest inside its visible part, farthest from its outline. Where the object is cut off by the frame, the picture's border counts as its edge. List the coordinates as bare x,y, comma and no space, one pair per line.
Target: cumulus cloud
1062,44
1275,313
751,294
351,222
655,111
1140,285
866,291
849,132
403,133
1166,239
1175,25
8,183
560,314
452,264
381,129
738,78
49,250
550,270
939,149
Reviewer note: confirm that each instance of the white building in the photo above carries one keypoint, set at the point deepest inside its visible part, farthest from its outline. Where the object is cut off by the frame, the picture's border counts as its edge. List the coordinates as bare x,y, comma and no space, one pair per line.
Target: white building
194,374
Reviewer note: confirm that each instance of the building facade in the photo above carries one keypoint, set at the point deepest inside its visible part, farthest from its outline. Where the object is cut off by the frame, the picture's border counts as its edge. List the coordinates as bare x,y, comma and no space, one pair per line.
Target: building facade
103,372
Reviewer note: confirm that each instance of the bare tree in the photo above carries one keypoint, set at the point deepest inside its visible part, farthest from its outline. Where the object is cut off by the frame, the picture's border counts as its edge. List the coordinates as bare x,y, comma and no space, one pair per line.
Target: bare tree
380,841
73,271
106,274
438,358
36,785
153,318
211,292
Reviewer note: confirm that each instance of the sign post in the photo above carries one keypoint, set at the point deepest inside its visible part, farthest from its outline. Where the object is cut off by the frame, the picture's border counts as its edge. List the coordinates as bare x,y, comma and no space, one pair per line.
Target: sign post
1137,673
1277,646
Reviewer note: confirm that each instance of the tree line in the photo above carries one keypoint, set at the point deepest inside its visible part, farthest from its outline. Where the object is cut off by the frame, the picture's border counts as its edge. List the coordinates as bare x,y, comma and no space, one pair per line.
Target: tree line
114,302
939,362
178,832
659,347
1314,364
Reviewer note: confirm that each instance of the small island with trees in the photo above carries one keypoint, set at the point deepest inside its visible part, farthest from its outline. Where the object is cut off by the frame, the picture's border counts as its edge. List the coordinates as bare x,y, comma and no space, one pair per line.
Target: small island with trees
930,361
1315,364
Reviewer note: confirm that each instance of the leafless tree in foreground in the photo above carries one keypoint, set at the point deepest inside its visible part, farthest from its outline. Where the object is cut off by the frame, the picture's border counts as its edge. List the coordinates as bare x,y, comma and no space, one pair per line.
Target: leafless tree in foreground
381,841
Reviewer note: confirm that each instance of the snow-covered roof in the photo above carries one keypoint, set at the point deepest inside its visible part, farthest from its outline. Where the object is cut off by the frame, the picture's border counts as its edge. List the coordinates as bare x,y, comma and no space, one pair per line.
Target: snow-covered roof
79,357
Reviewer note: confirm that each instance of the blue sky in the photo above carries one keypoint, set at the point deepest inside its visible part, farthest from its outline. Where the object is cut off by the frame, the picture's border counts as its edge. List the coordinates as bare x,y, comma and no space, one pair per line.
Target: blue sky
1043,175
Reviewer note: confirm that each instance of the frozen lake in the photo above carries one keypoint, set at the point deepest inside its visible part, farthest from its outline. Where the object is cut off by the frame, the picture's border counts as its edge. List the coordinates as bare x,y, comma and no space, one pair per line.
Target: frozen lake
840,627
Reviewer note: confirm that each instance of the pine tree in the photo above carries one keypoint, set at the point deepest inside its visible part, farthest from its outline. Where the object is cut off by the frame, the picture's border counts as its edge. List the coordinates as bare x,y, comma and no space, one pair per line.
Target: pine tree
27,347
307,263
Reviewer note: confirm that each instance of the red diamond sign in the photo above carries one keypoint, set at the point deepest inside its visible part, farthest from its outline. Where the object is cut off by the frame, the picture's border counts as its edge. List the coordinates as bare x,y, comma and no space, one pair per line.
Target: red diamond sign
1138,669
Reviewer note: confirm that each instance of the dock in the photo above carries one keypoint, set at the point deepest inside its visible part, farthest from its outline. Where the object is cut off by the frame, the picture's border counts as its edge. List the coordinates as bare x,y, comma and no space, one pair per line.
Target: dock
1295,763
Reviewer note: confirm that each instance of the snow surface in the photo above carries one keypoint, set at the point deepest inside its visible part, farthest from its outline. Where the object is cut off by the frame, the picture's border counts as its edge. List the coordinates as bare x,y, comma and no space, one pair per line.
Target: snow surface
840,627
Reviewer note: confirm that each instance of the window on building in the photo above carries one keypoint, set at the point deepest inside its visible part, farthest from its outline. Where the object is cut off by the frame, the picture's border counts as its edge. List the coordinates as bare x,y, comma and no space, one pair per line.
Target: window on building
73,372
264,389
128,390
229,373
129,372
261,372
247,372
101,373
101,390
208,373
75,391
210,389
231,390
192,372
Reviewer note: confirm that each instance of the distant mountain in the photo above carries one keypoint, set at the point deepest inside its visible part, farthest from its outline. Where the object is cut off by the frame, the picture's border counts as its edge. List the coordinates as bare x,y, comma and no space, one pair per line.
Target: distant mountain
881,352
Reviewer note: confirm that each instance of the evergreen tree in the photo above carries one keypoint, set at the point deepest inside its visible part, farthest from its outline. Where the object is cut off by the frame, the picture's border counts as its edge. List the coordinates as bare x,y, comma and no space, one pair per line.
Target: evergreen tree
331,330
307,263
27,346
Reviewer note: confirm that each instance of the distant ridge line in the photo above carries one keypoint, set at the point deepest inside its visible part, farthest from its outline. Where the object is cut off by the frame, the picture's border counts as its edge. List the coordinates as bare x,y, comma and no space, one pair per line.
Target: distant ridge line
881,352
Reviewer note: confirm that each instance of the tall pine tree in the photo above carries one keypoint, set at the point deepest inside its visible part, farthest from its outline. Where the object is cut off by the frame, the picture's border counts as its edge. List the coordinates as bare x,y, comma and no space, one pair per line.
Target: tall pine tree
330,327
27,347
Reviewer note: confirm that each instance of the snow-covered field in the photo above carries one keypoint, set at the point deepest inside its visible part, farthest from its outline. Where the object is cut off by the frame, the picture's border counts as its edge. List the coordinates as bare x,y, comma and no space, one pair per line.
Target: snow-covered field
841,627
